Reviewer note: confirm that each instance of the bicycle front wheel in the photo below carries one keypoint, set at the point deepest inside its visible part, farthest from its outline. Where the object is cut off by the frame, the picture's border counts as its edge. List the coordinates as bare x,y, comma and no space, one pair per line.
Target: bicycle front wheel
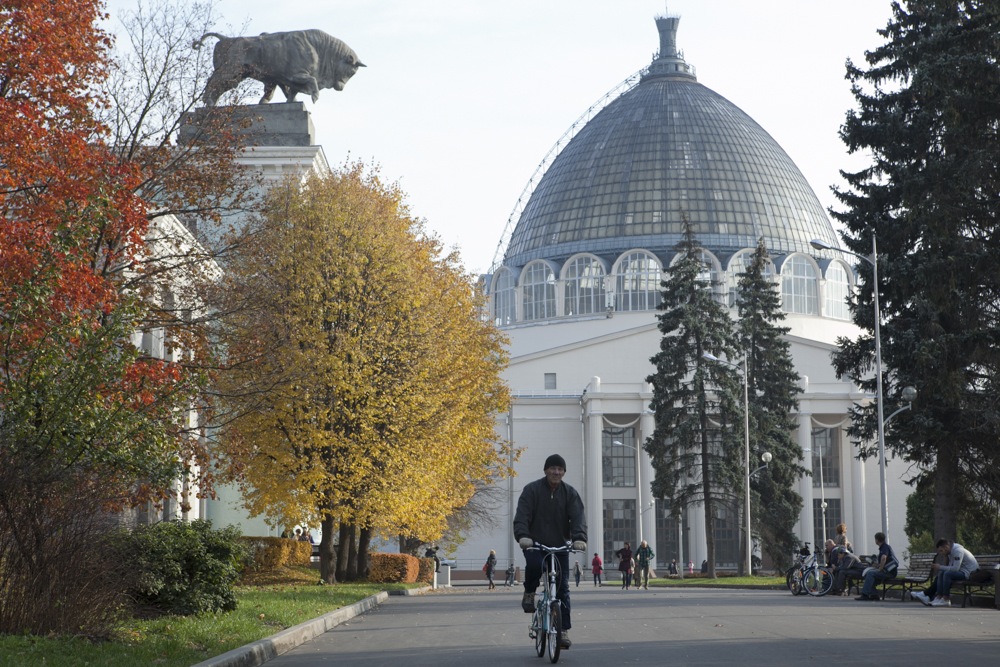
538,622
555,630
818,581
793,579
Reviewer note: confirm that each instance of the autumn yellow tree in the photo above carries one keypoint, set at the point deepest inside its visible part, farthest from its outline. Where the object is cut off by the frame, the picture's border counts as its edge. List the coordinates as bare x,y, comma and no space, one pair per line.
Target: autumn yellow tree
363,381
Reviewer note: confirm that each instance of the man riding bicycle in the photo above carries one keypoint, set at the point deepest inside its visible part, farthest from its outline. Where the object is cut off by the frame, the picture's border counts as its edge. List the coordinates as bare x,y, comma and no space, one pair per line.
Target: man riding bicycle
549,512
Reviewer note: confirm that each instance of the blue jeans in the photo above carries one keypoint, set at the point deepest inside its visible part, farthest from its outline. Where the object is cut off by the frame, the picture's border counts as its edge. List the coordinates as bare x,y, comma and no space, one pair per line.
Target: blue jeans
872,580
944,580
533,568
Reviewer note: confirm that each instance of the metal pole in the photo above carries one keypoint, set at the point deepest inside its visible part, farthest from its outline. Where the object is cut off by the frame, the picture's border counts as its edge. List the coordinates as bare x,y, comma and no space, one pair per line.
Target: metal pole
878,393
746,458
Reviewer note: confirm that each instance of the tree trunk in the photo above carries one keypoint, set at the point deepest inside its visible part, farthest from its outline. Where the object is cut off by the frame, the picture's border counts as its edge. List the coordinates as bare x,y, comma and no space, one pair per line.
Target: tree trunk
342,550
352,553
706,489
327,557
364,539
946,494
411,545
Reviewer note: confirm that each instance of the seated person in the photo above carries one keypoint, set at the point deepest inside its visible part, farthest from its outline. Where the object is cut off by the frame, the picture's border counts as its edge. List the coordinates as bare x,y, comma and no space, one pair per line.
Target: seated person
845,565
960,563
884,568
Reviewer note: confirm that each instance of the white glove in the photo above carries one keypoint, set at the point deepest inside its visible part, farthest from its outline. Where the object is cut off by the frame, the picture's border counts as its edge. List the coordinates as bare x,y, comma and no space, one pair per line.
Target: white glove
579,545
526,542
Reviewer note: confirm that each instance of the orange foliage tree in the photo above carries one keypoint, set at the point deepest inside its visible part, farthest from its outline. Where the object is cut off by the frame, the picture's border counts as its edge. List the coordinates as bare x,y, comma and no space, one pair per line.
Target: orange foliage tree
369,381
87,424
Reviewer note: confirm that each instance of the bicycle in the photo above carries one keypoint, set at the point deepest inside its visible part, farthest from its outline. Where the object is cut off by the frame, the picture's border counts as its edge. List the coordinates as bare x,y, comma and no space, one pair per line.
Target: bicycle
808,576
546,622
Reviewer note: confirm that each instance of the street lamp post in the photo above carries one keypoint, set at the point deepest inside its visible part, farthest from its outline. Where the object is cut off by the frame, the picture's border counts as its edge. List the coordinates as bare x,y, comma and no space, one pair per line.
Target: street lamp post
765,457
873,260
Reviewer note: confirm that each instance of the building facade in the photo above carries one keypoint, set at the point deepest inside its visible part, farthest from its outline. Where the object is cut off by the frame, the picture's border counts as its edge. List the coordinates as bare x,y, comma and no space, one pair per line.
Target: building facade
576,294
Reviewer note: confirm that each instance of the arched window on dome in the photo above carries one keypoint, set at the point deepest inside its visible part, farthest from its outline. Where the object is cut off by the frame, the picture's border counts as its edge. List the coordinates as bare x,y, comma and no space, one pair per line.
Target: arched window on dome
799,286
538,292
710,274
738,265
583,280
504,298
637,282
836,291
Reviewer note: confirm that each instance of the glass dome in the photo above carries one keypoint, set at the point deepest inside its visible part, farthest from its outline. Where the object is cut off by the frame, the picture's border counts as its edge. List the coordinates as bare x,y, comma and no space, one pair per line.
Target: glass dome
669,147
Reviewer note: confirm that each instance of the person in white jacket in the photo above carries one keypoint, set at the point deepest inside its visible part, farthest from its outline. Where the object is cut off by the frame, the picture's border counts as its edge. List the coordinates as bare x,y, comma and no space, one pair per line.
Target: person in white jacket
960,564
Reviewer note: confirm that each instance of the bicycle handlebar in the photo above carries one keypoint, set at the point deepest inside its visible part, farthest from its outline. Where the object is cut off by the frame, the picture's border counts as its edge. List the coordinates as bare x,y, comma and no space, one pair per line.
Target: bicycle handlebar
566,548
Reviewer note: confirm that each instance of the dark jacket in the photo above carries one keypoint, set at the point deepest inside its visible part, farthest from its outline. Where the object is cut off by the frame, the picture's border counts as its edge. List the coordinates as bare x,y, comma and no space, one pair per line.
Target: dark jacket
550,517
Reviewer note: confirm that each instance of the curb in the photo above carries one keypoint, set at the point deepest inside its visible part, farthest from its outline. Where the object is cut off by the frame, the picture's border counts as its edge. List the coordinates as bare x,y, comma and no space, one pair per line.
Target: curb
262,650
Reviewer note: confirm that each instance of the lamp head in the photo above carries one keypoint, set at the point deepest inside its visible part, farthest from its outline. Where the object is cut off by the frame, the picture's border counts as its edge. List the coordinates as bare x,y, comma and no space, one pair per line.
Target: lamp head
766,457
821,245
909,394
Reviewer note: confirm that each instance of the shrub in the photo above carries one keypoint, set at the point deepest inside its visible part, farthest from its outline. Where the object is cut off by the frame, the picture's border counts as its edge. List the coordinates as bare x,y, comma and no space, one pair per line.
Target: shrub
61,571
426,571
186,568
393,568
269,553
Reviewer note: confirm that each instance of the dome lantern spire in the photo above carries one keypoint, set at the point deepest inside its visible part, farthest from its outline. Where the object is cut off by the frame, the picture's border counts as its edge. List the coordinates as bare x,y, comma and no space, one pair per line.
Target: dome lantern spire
669,61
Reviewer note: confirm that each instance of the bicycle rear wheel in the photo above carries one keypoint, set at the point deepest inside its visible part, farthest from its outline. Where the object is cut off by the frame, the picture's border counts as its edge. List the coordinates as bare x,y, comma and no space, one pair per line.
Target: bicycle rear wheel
555,630
818,581
793,579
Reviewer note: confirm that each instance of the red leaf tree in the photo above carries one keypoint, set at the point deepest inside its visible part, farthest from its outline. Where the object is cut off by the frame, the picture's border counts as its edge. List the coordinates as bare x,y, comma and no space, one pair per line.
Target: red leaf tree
88,425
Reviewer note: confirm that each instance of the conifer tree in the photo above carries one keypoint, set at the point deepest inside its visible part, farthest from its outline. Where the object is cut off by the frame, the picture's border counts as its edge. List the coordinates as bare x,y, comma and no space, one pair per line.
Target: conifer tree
928,109
773,390
697,443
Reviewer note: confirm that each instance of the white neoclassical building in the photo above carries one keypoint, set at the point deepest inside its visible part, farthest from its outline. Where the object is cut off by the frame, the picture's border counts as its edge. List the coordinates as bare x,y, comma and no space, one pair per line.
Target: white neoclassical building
576,292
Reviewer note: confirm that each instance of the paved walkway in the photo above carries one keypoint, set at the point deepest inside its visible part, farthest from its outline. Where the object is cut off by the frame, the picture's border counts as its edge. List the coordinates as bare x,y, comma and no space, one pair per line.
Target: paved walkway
683,626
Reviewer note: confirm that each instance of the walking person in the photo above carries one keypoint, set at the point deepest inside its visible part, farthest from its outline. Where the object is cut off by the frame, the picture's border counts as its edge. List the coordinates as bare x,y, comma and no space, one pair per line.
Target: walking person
597,568
509,581
884,569
490,568
960,564
550,512
625,565
643,557
577,572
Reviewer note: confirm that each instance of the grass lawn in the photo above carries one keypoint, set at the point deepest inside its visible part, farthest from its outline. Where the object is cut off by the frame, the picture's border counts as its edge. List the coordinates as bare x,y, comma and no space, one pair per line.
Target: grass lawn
266,607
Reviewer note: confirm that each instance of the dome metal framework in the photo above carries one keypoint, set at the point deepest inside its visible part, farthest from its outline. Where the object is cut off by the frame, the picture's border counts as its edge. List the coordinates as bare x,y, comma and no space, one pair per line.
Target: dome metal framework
665,150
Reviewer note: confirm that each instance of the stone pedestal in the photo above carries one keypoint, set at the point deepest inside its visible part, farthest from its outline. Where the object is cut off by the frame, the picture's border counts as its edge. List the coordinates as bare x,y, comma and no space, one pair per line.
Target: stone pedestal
282,124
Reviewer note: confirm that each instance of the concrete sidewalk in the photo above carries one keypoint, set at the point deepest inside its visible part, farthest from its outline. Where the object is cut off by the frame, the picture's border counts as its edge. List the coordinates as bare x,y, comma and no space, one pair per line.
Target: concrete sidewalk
260,651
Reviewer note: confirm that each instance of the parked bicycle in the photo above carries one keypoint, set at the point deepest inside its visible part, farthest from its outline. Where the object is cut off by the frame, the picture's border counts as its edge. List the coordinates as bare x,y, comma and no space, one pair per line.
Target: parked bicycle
809,575
546,623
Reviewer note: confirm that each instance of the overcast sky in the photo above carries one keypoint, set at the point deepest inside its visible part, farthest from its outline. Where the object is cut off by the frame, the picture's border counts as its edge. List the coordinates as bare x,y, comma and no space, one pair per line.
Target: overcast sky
462,99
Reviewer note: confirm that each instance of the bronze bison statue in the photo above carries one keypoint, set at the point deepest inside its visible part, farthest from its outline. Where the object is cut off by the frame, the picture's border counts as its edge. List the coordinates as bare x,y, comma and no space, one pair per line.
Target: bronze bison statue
300,61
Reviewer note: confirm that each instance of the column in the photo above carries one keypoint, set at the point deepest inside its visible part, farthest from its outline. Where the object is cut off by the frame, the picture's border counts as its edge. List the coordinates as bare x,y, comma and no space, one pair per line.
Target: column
594,502
647,516
806,530
857,531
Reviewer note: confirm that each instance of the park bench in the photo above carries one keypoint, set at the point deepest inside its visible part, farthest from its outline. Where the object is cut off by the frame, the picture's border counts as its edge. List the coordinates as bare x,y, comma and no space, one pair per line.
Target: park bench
915,575
986,585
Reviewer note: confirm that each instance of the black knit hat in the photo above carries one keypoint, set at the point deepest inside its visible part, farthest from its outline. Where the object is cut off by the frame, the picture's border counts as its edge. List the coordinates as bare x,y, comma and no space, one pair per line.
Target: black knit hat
555,460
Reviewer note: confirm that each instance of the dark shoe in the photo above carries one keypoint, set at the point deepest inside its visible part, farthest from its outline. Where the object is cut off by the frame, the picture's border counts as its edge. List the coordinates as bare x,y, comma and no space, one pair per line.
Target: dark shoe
863,598
528,603
564,641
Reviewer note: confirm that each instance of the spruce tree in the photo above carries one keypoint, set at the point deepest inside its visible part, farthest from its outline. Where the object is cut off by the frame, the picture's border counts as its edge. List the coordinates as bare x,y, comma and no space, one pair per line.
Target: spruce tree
696,447
773,390
928,115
